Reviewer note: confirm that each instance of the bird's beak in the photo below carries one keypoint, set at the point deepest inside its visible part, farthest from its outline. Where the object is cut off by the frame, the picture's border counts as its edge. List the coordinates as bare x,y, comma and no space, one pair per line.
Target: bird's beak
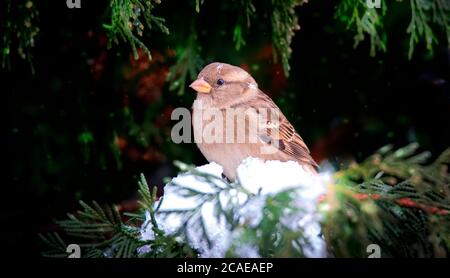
201,86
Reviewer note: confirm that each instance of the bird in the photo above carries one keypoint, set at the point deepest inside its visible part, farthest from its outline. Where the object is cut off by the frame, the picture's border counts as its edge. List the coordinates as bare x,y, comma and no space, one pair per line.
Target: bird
223,89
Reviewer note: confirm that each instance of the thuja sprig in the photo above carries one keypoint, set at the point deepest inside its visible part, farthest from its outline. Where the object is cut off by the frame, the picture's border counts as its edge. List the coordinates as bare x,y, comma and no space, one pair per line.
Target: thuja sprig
364,21
424,13
246,11
284,24
394,198
427,17
187,66
129,19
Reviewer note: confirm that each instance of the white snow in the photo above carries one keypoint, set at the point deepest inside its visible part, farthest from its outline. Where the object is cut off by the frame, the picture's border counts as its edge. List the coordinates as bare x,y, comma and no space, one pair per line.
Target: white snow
262,178
272,176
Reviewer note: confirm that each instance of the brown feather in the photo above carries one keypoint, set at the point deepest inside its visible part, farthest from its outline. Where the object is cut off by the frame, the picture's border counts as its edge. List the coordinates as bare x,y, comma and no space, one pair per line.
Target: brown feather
286,138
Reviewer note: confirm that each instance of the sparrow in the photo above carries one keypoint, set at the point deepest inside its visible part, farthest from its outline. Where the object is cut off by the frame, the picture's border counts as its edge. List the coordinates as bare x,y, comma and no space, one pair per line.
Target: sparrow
223,88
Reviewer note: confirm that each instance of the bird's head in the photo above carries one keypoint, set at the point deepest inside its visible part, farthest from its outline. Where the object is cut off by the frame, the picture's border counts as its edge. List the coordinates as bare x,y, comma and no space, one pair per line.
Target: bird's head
223,81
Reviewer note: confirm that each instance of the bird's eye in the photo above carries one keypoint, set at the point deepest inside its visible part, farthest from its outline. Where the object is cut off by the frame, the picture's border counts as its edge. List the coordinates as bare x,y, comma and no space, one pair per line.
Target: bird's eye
220,82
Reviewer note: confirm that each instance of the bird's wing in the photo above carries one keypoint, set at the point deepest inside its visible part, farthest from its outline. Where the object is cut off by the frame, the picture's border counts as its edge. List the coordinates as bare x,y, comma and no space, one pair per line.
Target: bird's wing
278,131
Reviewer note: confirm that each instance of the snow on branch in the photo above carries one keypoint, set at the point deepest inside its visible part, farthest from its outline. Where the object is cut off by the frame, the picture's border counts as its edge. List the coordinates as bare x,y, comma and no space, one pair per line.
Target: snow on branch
273,204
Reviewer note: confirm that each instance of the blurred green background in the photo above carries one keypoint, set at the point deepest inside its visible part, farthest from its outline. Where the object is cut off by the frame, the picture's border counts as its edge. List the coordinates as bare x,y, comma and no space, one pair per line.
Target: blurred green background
83,121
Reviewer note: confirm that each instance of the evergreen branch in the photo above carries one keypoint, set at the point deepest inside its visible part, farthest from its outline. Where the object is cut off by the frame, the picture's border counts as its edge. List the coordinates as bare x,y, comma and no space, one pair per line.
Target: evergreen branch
149,198
423,14
99,231
238,38
126,16
284,24
407,217
187,66
419,26
402,164
364,21
57,247
246,11
19,31
390,199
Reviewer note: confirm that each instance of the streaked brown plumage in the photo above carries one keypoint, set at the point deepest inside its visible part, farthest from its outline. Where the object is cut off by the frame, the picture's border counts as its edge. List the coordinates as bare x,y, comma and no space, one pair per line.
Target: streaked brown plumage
223,86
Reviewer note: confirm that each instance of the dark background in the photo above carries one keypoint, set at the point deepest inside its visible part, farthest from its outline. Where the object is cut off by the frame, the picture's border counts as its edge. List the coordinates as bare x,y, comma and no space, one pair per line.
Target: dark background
90,120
